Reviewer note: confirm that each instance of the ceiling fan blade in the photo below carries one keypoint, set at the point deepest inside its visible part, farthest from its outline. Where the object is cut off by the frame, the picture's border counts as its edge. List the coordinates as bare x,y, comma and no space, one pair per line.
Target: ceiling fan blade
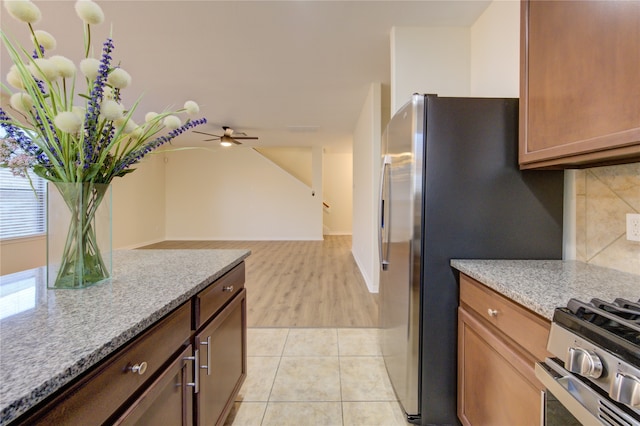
208,134
214,139
245,137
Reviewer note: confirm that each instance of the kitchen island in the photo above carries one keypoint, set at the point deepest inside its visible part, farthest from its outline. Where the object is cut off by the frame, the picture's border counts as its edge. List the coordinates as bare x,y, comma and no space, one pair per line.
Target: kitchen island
50,338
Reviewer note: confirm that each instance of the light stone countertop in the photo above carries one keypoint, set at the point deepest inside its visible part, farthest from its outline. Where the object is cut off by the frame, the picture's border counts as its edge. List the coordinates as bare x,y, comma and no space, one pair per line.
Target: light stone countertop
49,337
543,285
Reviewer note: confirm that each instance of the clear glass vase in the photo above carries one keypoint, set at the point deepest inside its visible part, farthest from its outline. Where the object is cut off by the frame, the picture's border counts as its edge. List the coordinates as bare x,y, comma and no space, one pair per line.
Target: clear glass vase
78,234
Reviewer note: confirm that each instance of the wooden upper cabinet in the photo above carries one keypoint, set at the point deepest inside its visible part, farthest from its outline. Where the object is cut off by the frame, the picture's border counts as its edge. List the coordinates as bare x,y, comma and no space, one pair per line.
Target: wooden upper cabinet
579,83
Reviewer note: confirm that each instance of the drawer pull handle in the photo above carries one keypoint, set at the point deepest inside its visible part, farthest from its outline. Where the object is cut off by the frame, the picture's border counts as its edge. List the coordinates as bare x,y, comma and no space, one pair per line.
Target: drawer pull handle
228,288
196,361
492,312
139,368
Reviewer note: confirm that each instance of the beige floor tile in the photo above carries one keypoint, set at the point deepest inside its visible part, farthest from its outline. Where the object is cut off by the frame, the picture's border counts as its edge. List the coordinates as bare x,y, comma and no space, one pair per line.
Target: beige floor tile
303,413
386,413
358,342
311,342
266,341
261,372
307,379
365,379
246,414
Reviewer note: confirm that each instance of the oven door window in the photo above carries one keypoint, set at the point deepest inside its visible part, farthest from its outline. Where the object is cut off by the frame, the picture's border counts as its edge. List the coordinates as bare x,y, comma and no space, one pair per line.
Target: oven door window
555,414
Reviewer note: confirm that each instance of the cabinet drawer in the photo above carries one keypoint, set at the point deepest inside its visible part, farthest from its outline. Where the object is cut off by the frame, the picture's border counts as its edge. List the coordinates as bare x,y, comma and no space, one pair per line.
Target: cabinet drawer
96,396
213,298
168,400
524,327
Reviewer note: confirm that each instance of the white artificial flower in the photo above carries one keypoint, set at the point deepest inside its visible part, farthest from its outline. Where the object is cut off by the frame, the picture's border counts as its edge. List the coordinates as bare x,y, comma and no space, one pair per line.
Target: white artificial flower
66,67
119,78
136,133
90,67
131,127
111,110
191,107
172,122
150,116
68,122
108,93
44,69
44,39
89,12
14,79
128,127
21,102
79,111
23,10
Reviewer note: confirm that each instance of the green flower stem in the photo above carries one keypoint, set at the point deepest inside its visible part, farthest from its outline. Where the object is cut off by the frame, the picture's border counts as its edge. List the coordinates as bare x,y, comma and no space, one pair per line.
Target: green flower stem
82,263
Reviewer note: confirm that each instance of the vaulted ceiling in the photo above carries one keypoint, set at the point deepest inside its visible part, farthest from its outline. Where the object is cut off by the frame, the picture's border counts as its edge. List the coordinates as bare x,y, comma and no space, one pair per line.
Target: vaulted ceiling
290,72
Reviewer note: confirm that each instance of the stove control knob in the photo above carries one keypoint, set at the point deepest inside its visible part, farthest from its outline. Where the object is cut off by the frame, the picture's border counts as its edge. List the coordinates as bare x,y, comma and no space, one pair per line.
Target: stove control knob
626,389
584,362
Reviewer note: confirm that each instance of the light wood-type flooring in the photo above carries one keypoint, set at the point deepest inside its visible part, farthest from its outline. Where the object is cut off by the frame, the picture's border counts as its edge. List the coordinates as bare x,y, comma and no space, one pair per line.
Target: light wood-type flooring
299,283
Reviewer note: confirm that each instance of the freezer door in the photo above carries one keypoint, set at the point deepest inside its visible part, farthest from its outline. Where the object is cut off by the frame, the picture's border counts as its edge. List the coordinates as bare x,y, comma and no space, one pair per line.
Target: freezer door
401,214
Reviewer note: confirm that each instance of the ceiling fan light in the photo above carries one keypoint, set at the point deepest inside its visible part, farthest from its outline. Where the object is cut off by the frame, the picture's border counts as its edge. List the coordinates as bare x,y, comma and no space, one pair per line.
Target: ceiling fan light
225,143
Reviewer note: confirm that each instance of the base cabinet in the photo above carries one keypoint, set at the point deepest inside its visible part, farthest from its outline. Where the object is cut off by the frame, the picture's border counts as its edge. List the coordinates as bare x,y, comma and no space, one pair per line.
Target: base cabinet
496,379
185,370
101,392
493,391
223,368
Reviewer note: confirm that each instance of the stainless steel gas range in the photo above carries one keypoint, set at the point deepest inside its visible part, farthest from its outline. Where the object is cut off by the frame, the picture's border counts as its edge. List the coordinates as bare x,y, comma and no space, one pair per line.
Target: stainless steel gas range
595,372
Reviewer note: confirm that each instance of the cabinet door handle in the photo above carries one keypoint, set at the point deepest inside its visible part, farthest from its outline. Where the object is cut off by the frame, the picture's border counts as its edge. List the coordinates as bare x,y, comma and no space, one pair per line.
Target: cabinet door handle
228,288
207,343
139,368
196,361
492,312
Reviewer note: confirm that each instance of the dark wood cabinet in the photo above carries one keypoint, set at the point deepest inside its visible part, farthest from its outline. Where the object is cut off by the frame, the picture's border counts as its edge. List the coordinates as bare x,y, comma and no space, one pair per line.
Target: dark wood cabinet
103,390
223,367
498,344
168,400
186,369
579,84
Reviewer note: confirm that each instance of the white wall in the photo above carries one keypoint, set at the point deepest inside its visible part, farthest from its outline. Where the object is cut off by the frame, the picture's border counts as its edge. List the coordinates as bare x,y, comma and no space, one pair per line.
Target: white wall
22,253
429,60
296,160
237,194
366,171
337,186
317,157
138,204
495,50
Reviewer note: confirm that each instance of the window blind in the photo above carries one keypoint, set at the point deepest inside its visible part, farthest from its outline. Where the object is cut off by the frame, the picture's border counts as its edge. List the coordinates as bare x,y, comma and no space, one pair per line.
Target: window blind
22,211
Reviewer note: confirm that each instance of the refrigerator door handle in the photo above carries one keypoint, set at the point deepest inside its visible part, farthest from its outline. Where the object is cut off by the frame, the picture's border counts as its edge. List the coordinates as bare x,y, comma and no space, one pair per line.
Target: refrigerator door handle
383,221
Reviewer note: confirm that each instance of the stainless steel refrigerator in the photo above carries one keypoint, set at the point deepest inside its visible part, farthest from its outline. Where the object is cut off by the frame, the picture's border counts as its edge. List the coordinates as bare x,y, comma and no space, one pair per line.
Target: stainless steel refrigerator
450,188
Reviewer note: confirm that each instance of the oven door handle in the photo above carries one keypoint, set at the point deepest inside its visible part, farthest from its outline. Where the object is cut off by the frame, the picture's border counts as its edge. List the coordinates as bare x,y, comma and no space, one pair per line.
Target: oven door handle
584,403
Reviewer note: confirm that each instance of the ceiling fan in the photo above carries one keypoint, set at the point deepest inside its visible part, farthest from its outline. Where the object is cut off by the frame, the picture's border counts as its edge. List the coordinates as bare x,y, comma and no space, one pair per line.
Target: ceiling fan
228,138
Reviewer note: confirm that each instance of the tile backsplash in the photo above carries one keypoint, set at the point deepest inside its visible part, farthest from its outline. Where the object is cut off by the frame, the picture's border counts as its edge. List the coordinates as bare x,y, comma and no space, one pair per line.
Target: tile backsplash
604,195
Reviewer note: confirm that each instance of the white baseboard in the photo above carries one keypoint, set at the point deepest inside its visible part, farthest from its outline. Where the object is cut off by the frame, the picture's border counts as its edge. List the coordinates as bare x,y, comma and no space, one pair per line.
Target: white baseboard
367,279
